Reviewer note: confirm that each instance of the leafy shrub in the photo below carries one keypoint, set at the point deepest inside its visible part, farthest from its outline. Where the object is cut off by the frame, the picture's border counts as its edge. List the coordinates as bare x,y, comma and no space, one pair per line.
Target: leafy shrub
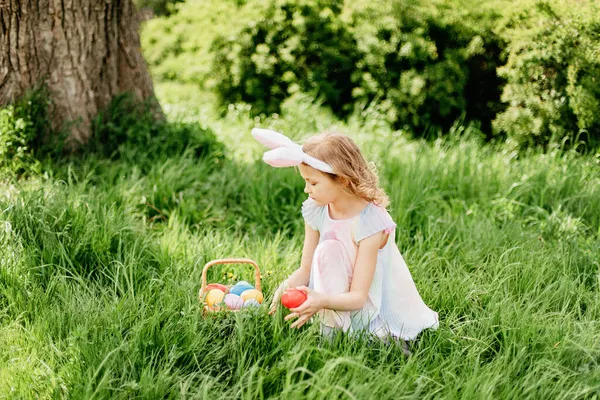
177,48
25,134
424,63
15,155
428,64
297,46
129,128
553,89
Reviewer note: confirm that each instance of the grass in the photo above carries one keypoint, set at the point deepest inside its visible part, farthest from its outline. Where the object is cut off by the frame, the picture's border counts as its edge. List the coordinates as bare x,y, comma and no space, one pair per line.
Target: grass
100,261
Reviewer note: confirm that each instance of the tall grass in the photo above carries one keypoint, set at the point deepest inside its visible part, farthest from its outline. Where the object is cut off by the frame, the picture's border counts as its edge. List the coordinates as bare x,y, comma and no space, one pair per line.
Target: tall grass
100,263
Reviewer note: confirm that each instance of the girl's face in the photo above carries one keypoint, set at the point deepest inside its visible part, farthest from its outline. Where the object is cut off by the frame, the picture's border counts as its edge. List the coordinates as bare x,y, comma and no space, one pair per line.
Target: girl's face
319,186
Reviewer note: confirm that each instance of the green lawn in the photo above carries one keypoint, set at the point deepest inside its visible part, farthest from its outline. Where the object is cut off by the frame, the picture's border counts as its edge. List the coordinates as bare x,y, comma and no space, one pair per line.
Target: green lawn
100,265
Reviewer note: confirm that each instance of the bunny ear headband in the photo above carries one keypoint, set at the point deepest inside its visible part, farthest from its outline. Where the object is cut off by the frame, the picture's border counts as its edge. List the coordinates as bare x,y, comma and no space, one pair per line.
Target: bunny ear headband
286,153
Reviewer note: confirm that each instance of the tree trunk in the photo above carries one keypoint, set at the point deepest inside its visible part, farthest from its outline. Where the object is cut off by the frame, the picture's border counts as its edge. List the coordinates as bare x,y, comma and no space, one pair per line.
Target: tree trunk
85,51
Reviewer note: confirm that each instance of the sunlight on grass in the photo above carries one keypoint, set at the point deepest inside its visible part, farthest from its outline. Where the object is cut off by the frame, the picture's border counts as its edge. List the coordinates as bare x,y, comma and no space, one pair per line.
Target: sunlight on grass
101,263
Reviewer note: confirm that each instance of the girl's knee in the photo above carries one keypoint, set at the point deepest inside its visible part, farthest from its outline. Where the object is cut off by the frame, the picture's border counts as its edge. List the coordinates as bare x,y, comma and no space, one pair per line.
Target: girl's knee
329,251
332,268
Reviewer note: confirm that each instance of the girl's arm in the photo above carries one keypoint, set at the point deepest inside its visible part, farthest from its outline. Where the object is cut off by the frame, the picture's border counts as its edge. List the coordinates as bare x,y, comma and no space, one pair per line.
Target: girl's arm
301,276
355,299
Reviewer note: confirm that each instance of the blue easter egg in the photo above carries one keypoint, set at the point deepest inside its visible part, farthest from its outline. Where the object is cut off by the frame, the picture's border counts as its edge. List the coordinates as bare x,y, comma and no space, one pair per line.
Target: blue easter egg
251,303
243,283
239,289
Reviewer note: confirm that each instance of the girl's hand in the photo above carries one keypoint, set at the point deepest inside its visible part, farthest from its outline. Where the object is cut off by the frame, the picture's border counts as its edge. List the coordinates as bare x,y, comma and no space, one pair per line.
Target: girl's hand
314,303
277,297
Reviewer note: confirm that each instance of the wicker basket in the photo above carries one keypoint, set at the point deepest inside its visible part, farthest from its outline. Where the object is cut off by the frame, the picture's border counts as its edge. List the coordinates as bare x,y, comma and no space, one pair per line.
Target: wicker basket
227,261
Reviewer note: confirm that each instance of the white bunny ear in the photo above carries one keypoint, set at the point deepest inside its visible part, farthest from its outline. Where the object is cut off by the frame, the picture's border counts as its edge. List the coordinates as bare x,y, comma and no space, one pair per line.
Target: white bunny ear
272,139
291,156
283,157
286,153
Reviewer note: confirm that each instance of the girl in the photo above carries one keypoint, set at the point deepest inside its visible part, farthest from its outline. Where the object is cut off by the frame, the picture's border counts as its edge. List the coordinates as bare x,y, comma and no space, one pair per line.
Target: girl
351,270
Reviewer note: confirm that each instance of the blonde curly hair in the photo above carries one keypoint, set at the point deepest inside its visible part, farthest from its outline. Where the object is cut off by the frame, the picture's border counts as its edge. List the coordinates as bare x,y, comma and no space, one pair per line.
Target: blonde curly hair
352,171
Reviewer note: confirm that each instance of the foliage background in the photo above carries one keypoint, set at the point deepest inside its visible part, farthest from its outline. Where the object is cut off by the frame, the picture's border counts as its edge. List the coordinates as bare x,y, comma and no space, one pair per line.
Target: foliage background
525,71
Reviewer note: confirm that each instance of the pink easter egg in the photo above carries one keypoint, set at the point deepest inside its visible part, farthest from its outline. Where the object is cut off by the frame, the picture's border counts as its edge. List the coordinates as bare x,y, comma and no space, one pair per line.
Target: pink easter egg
233,301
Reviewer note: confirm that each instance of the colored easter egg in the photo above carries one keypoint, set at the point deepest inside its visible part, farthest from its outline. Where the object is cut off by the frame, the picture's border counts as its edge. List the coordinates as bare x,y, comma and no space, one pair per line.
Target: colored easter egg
233,301
239,289
293,298
243,283
251,303
214,298
212,286
252,294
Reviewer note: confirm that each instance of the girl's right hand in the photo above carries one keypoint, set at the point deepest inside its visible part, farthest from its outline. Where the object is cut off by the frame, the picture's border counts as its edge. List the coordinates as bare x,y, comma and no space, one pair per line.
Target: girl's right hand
277,297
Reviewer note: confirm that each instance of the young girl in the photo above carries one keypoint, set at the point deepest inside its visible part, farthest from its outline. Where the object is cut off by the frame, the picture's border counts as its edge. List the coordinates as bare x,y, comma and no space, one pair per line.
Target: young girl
351,270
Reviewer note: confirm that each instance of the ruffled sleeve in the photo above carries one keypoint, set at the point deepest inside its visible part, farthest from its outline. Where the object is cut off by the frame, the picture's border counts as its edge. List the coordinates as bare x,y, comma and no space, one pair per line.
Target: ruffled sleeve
374,219
312,213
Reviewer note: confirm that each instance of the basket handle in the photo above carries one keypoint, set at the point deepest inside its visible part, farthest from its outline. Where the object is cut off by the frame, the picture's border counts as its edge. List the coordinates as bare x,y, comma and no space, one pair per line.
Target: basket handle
230,261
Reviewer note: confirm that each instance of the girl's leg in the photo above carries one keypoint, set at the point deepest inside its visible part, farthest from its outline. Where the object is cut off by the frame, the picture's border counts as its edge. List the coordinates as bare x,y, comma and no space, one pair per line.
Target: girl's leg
332,275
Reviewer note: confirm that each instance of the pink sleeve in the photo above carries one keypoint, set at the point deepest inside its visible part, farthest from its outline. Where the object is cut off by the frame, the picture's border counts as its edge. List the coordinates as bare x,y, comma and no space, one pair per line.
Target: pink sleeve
375,219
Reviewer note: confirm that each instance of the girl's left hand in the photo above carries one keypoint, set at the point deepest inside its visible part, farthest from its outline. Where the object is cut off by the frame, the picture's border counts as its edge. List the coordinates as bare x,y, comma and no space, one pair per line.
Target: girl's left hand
314,302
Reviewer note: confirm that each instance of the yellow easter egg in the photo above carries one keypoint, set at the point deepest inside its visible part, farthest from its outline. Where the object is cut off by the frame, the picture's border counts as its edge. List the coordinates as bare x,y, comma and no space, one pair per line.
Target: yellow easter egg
214,297
252,294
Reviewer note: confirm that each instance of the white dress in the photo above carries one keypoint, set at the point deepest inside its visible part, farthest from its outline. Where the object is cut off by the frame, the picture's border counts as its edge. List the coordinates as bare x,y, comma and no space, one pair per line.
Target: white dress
394,306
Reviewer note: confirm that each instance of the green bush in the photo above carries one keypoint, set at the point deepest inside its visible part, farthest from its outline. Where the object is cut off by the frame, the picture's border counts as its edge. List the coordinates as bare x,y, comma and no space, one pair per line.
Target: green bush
297,46
526,72
553,75
24,134
177,48
15,155
428,63
425,64
129,129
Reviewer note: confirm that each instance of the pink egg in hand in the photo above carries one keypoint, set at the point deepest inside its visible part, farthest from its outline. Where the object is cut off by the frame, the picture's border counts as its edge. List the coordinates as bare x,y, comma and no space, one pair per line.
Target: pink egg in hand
233,301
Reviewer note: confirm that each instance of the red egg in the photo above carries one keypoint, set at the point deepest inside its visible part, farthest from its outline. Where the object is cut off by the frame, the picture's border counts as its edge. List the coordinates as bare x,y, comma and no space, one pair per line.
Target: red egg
222,288
293,298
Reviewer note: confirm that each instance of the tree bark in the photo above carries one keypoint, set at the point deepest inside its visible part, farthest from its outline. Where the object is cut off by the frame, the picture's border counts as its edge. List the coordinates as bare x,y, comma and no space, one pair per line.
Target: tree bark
85,51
